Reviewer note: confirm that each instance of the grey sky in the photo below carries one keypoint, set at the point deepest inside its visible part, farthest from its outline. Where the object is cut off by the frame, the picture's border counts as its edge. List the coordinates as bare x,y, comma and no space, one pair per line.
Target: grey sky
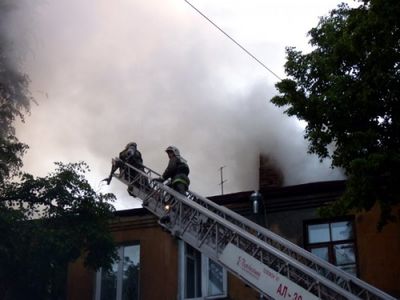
109,72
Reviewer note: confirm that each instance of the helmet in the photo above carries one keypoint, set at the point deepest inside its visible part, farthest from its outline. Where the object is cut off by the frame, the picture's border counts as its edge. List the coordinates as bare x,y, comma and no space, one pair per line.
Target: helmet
174,150
131,144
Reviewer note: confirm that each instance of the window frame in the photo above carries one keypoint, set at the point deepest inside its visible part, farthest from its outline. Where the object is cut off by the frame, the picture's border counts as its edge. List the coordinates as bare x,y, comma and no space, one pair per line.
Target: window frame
204,275
98,276
332,243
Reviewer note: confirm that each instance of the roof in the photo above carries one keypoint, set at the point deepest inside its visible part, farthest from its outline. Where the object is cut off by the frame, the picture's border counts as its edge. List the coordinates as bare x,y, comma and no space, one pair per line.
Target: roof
292,197
307,195
132,212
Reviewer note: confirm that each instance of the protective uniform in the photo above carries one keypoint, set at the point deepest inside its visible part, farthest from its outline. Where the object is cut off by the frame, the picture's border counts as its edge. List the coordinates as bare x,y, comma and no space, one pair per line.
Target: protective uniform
177,170
129,155
132,156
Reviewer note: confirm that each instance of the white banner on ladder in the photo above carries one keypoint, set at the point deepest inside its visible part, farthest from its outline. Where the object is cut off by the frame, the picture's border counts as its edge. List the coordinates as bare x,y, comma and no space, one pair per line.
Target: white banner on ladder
267,280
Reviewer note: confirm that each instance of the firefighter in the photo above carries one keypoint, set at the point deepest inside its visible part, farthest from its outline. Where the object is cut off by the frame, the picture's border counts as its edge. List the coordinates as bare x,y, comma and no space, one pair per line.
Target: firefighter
178,171
130,155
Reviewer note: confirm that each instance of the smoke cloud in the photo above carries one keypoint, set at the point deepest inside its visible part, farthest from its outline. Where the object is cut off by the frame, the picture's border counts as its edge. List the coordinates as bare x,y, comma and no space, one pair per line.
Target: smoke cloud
109,72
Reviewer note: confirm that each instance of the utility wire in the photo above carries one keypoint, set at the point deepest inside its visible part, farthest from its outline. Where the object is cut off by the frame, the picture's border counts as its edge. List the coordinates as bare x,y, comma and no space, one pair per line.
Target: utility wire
227,35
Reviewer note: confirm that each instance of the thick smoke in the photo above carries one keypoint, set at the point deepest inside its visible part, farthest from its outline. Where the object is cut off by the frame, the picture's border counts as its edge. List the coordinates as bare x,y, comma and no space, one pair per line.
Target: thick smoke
107,73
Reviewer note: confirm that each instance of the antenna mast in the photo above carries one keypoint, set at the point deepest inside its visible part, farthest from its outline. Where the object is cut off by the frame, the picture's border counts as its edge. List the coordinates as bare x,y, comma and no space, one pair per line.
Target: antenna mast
222,180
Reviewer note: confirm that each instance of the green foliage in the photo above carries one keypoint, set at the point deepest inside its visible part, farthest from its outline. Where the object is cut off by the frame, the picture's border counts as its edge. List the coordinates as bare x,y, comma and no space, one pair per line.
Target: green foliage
46,223
347,89
11,152
15,100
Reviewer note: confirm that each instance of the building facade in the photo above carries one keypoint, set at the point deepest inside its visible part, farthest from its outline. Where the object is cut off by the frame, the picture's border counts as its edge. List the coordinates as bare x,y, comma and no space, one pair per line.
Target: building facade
156,265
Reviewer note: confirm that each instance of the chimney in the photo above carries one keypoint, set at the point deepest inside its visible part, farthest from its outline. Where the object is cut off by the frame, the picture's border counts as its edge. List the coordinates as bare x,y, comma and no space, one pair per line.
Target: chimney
270,174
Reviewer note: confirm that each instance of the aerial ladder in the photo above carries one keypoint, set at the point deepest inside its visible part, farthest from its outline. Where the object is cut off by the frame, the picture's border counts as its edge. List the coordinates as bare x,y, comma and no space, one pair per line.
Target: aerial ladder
275,267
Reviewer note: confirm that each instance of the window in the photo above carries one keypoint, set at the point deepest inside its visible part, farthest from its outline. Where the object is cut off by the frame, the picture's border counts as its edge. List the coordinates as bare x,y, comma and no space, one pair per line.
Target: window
122,281
200,277
333,241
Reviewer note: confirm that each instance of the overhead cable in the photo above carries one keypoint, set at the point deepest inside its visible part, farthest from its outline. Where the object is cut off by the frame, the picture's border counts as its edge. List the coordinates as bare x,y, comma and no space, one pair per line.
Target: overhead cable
233,40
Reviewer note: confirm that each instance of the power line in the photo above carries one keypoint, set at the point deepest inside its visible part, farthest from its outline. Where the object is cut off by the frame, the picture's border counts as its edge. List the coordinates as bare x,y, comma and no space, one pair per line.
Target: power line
228,36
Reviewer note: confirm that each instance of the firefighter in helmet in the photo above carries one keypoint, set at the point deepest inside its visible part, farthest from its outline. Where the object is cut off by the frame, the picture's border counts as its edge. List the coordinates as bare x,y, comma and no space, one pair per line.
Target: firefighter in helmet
177,170
130,155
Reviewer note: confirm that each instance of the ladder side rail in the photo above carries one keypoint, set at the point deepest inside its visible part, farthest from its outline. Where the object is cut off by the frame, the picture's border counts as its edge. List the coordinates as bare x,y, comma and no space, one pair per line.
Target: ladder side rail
262,234
148,188
314,261
149,173
255,242
265,234
205,212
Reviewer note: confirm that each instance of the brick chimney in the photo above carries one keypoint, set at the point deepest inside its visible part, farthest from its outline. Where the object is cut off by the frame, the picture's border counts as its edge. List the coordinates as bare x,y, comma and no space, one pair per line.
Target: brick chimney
270,174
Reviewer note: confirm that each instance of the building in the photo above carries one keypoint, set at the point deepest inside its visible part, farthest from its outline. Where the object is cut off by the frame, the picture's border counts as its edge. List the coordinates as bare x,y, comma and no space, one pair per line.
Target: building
157,265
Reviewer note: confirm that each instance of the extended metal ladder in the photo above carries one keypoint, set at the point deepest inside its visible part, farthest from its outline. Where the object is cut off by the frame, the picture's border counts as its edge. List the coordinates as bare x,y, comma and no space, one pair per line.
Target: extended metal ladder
275,267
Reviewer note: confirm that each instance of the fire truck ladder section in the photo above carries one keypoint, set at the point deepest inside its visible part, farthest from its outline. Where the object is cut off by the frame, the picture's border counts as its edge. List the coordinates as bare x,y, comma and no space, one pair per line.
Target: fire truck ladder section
273,266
